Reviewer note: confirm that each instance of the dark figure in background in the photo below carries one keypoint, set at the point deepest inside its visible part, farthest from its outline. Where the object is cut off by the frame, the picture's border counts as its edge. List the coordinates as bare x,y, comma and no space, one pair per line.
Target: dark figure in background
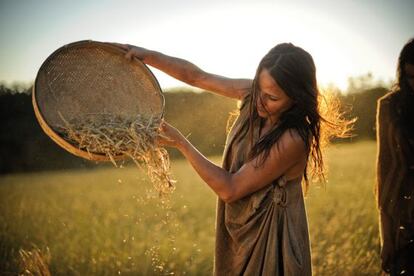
395,169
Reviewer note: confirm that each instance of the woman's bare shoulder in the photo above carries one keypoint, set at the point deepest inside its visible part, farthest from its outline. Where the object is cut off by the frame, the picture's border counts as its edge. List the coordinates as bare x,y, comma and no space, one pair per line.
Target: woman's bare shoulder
291,141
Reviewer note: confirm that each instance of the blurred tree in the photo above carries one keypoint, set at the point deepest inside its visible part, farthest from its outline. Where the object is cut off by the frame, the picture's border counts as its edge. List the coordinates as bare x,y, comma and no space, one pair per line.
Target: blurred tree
362,104
357,84
201,116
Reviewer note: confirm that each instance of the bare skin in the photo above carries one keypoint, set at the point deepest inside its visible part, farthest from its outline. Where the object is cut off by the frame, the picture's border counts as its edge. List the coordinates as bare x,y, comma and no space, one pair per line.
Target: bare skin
289,159
272,100
189,73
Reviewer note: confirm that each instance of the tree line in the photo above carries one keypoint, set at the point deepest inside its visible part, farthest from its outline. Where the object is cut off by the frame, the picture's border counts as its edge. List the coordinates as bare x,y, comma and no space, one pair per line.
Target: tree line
201,116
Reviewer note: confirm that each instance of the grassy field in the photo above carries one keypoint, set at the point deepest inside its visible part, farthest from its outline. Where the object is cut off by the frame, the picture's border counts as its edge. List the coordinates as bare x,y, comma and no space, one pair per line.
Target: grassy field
107,221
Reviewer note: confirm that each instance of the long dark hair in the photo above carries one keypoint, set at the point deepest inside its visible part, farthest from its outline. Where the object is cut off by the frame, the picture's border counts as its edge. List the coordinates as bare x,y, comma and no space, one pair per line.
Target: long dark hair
294,71
404,104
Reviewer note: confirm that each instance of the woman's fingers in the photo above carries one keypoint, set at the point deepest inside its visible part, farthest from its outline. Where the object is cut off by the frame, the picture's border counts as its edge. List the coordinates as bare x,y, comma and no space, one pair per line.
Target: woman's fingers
130,54
167,135
124,47
129,51
164,141
163,136
163,125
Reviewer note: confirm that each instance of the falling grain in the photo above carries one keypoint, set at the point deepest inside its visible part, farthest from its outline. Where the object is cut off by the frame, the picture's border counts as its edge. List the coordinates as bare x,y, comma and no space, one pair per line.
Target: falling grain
115,136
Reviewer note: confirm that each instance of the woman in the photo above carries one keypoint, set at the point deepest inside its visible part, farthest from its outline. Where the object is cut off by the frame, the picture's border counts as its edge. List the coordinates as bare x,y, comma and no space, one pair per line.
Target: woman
261,226
395,169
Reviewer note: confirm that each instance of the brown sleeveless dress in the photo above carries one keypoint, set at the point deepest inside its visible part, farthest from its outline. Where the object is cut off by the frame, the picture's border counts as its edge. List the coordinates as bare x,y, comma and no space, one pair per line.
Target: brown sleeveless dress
266,232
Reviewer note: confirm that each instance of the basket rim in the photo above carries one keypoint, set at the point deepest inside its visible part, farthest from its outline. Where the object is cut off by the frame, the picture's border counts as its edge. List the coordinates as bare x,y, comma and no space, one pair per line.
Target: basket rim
54,135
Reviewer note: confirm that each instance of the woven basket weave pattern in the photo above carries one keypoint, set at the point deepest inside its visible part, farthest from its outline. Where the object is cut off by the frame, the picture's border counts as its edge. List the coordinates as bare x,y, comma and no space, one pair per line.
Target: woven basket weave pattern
86,78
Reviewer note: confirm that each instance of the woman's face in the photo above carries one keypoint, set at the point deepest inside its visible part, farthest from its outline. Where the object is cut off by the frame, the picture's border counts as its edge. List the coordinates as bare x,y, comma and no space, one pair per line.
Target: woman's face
409,73
272,101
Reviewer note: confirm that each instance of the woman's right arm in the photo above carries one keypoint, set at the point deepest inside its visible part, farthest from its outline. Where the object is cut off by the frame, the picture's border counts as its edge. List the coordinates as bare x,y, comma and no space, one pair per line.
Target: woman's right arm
189,73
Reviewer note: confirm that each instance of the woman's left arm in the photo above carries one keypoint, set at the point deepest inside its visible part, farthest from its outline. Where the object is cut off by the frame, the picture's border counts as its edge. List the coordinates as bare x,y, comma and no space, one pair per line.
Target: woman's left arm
250,177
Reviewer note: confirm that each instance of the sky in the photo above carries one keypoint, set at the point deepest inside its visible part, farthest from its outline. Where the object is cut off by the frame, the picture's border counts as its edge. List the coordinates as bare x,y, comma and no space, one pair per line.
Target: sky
225,37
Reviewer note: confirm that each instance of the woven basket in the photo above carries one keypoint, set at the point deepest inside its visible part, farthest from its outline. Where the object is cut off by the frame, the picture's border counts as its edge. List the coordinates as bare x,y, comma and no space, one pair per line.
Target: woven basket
89,77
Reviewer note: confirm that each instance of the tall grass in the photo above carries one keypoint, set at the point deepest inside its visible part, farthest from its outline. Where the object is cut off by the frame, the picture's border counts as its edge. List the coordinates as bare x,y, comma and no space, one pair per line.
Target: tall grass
107,221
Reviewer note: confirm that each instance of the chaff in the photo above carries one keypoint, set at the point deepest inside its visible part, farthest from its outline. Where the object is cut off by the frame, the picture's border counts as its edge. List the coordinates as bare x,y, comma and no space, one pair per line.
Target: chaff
114,136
